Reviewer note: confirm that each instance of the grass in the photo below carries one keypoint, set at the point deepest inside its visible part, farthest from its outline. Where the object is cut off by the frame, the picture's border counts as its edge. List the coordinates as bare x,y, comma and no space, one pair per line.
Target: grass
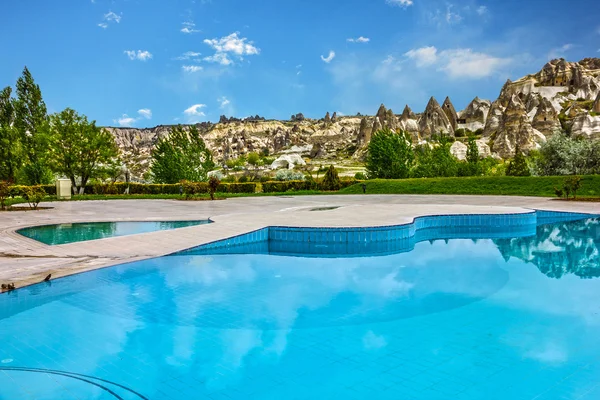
484,185
18,200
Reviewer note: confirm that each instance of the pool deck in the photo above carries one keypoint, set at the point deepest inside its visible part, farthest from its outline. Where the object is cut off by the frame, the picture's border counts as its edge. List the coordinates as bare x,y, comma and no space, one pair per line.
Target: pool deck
25,261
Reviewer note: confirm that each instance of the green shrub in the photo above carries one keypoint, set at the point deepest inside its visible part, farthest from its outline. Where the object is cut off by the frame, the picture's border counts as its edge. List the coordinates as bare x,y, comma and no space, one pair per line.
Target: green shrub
34,195
213,184
249,187
360,176
572,185
284,186
191,189
518,165
331,180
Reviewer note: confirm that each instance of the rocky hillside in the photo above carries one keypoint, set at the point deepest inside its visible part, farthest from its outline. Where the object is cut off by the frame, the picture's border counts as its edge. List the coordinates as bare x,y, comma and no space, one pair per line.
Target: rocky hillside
563,96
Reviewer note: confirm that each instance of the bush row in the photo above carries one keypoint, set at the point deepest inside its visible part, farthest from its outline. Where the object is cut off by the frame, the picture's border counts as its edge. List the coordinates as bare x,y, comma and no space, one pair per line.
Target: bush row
286,186
188,188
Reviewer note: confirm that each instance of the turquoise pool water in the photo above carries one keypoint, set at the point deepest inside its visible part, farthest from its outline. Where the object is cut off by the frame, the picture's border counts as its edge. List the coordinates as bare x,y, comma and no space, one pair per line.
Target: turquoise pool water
79,232
514,316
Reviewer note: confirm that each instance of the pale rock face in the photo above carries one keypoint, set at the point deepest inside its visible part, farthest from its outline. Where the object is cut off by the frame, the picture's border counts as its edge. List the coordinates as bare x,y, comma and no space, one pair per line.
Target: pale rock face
494,119
364,133
484,149
596,107
409,123
545,119
434,121
476,112
459,150
514,129
450,112
586,126
287,161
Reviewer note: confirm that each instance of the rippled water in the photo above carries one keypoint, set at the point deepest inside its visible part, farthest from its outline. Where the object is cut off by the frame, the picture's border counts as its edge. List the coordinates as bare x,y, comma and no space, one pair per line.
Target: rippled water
510,318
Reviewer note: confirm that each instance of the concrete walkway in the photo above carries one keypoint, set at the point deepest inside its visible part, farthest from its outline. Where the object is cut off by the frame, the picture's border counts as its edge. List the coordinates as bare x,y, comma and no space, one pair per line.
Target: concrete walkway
25,261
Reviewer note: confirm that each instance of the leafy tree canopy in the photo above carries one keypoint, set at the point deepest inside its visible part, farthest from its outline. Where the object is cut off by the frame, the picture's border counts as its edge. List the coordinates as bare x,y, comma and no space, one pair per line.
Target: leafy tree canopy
390,155
182,155
78,149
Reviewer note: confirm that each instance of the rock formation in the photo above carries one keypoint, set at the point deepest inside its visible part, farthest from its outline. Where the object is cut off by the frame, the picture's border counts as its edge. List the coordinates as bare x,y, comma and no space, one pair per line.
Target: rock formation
586,126
410,124
514,129
475,115
525,113
459,150
546,118
288,161
434,121
364,133
450,112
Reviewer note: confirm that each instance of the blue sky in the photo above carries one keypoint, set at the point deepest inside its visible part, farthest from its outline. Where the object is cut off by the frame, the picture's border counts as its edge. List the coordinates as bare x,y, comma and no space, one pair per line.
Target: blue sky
149,62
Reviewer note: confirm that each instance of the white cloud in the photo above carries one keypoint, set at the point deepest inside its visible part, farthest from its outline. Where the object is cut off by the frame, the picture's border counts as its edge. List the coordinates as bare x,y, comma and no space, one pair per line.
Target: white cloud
458,63
191,68
482,10
559,51
400,3
223,102
145,112
189,27
330,57
188,55
464,63
360,39
220,58
125,120
424,56
194,113
230,45
110,17
452,17
142,55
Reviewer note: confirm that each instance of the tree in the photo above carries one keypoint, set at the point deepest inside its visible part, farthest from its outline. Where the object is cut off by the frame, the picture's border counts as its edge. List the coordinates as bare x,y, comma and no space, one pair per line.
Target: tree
331,180
78,149
435,161
253,159
390,155
518,165
10,143
562,155
213,185
30,118
181,156
472,151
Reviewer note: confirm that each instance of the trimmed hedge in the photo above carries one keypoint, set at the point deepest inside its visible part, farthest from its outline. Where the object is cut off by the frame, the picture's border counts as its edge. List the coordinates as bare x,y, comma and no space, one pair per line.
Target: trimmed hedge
481,185
286,186
249,187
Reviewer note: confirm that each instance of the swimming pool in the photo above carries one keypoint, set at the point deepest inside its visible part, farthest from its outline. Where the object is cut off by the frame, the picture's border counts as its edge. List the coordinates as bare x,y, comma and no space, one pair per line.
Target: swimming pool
79,232
513,316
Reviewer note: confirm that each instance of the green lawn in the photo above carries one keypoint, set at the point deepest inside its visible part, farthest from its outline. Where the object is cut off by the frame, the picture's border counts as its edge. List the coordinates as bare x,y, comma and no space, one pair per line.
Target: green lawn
484,185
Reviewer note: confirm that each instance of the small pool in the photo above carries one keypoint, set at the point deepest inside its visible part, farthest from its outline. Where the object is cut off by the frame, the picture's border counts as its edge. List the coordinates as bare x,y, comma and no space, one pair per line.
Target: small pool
80,232
467,308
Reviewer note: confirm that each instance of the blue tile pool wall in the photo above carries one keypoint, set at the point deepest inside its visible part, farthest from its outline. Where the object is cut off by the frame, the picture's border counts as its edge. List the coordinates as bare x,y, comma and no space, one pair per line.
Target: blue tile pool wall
394,238
383,240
